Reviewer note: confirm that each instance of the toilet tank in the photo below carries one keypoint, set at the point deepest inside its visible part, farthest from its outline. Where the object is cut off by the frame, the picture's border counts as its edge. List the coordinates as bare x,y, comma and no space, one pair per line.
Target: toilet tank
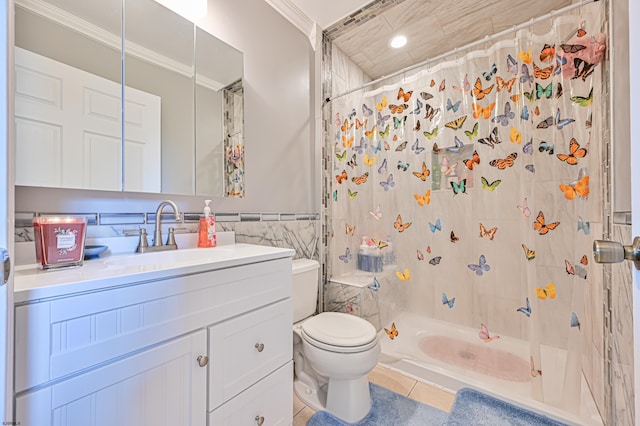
305,288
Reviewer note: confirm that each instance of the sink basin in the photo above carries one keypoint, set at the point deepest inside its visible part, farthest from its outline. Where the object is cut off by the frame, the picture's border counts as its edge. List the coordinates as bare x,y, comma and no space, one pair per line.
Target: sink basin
170,257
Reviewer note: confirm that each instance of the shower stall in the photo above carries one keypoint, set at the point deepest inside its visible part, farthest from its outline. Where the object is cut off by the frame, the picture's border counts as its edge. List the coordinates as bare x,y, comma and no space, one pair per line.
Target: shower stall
462,199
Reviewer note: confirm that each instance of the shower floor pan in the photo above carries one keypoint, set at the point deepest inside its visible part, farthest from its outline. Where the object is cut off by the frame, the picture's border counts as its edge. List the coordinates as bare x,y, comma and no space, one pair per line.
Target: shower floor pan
452,357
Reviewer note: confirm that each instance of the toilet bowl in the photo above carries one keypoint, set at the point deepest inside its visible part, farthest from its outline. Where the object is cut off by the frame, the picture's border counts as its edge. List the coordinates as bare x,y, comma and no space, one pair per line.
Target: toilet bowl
333,353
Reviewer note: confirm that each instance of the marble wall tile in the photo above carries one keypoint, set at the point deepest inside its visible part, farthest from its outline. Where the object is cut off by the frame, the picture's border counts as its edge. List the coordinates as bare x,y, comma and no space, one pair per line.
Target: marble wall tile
622,333
339,63
302,236
598,380
354,300
623,411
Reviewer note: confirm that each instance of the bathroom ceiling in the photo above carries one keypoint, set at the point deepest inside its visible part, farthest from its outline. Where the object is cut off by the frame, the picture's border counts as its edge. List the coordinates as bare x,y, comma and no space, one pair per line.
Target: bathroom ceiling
432,27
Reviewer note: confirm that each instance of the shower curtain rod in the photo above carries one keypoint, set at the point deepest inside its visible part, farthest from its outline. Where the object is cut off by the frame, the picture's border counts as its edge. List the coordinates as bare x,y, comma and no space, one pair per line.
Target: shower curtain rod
467,46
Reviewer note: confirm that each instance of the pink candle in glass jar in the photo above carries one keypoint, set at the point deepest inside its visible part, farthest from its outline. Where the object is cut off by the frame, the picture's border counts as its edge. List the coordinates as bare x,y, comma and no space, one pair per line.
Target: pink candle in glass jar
59,240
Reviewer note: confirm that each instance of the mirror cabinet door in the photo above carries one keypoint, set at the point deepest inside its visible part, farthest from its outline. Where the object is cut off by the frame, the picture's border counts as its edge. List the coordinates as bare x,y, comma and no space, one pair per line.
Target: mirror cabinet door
159,100
68,94
182,109
219,118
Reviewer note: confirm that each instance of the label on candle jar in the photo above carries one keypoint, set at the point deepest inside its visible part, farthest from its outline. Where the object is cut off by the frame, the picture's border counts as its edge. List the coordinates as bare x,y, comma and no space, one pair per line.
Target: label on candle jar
64,240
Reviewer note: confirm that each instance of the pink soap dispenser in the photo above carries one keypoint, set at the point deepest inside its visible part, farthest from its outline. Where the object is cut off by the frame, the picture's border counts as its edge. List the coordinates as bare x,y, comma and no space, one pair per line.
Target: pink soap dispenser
207,229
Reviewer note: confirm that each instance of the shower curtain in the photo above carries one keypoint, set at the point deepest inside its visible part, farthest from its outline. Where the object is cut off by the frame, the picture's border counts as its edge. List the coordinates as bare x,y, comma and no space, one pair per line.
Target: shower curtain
466,191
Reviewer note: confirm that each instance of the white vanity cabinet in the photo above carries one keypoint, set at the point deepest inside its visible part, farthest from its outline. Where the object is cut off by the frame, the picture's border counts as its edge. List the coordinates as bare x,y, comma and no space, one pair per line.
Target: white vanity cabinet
160,386
202,345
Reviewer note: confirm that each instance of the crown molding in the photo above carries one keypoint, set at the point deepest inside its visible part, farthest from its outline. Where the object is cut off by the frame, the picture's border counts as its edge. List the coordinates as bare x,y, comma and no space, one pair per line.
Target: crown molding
113,41
298,18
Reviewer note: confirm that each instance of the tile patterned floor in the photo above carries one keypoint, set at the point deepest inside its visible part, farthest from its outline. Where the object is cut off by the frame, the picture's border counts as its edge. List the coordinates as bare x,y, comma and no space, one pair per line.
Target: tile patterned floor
394,381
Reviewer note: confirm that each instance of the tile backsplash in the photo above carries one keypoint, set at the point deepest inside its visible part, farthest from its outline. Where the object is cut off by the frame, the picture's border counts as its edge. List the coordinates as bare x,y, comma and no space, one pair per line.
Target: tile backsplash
299,231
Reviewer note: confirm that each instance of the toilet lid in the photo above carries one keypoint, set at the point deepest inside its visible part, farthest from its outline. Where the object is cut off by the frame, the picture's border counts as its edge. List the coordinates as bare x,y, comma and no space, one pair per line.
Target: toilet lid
339,329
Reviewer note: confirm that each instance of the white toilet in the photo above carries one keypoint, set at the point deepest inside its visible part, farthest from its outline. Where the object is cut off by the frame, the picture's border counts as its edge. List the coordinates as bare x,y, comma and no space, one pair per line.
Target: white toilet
333,352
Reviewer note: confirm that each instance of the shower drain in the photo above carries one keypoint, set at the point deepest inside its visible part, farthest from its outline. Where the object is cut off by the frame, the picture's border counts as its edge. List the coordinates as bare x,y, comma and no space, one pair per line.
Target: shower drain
466,355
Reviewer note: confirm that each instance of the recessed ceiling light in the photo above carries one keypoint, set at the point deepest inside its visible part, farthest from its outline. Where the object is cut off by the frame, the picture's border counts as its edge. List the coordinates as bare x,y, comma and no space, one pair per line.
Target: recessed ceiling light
398,41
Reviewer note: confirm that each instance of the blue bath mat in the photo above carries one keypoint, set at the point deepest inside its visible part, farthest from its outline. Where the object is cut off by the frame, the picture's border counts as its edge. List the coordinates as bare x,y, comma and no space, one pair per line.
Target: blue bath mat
387,408
475,408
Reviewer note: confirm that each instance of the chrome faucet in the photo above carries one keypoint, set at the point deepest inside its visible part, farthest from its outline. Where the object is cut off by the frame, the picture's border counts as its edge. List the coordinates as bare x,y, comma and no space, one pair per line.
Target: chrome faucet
143,245
157,233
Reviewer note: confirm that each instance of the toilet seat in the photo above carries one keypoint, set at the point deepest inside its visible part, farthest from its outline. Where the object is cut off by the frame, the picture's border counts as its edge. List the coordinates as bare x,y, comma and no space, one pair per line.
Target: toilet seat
339,332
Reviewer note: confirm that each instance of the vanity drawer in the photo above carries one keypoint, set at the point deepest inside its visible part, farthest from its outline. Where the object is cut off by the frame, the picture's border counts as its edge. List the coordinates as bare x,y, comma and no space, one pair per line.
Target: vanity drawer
270,400
247,348
59,337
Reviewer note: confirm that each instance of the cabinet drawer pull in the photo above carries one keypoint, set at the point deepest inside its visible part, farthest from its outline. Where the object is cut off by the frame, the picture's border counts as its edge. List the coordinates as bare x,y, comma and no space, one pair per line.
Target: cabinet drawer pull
259,420
260,348
203,360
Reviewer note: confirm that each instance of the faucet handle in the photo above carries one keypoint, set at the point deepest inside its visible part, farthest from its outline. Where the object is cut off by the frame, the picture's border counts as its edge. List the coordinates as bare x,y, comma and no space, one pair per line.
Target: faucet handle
171,239
143,237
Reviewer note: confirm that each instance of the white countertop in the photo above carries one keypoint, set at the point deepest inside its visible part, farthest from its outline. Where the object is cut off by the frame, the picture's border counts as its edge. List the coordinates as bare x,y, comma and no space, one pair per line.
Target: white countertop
32,283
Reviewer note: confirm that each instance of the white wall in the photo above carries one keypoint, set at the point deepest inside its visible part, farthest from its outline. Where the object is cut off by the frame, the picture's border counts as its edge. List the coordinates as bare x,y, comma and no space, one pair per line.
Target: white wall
281,151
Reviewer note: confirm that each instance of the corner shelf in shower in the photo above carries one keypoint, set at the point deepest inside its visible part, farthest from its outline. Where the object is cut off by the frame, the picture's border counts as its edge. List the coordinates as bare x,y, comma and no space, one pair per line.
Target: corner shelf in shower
350,293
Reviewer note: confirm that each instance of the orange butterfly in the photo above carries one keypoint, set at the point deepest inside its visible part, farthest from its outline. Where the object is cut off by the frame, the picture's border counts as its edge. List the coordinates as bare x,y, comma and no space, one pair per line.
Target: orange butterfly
485,112
404,95
423,199
542,73
347,142
342,176
361,123
502,84
478,92
581,32
397,109
346,126
548,291
575,152
425,172
584,260
401,226
547,53
442,86
542,227
470,163
503,163
349,229
487,233
358,180
581,188
393,333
